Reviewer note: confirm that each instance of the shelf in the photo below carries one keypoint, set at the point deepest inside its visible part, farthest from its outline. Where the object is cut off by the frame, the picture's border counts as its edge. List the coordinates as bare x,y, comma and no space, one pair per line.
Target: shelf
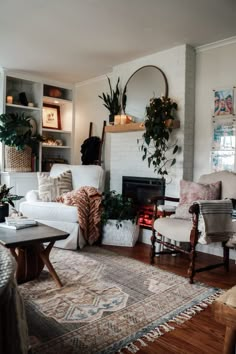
54,100
18,106
120,128
132,127
56,147
56,131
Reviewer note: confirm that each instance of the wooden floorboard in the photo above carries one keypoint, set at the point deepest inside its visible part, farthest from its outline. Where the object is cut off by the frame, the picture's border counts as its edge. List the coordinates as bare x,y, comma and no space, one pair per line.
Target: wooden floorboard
201,334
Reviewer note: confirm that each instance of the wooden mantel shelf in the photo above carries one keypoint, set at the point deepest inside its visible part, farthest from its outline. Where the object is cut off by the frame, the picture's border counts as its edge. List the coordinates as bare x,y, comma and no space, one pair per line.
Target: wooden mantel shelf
132,127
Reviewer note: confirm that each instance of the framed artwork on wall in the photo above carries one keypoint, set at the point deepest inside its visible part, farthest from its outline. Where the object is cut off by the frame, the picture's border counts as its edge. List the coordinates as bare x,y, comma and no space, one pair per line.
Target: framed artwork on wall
51,116
223,102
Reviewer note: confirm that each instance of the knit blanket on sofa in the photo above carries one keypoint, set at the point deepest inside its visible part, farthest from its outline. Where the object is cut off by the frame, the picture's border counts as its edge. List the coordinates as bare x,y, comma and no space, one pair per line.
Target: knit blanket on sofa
88,203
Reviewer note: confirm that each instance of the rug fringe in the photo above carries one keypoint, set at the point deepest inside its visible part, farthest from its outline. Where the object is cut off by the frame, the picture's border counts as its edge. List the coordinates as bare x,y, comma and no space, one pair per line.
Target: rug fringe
168,325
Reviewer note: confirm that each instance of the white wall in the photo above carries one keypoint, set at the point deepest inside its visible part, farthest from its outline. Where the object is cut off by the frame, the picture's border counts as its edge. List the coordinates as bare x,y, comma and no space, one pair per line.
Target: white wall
178,64
89,108
215,69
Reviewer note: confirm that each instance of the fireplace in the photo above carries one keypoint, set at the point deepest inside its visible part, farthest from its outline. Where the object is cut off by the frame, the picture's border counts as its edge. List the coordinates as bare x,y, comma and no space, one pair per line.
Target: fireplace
140,189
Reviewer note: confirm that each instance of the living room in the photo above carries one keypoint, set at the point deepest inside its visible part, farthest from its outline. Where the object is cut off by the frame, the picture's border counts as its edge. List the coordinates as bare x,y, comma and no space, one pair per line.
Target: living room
196,52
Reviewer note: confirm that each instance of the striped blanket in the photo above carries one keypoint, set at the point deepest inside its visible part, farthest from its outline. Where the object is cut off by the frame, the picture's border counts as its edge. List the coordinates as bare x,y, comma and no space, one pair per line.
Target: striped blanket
215,220
88,203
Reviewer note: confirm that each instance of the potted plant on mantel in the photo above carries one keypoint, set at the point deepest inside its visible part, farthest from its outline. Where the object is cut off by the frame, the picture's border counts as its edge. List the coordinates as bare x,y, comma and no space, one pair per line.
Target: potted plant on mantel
16,134
112,101
118,220
158,124
6,198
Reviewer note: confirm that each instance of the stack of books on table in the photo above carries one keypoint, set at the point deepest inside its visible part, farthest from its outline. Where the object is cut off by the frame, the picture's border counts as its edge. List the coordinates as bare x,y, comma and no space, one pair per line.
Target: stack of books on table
18,223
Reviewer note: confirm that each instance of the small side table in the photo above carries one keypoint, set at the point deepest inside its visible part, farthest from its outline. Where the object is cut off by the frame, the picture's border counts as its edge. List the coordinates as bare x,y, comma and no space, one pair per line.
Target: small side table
224,310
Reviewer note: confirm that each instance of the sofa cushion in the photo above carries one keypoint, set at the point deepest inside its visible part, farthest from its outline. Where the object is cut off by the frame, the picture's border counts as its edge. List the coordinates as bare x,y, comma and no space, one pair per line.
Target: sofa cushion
82,175
51,188
49,211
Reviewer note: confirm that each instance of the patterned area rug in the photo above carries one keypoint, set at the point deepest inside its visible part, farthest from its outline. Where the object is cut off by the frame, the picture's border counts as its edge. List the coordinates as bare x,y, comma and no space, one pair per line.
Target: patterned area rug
108,302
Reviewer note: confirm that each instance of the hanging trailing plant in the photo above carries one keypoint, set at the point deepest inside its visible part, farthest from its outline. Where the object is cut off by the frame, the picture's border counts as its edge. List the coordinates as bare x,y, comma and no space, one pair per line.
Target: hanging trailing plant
112,101
158,124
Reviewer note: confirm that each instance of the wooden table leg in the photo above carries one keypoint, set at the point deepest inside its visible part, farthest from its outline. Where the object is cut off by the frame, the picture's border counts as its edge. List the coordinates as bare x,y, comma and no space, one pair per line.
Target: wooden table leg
229,343
44,255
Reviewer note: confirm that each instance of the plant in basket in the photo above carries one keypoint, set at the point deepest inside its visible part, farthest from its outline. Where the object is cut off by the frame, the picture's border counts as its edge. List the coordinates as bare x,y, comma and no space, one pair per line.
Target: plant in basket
118,220
16,134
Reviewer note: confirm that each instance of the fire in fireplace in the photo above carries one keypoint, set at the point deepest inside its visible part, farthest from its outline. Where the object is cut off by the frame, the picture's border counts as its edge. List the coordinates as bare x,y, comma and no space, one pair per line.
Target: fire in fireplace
141,189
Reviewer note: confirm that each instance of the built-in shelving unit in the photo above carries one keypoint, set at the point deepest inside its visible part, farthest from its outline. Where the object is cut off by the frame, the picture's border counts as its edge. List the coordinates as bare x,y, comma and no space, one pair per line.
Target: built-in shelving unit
38,93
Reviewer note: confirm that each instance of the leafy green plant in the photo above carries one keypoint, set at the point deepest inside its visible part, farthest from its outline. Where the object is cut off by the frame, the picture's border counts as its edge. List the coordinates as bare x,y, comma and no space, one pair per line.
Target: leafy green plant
160,115
16,131
117,207
112,100
6,197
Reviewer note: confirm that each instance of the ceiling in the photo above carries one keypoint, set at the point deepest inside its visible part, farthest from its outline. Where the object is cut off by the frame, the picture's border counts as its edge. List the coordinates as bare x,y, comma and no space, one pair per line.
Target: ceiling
75,40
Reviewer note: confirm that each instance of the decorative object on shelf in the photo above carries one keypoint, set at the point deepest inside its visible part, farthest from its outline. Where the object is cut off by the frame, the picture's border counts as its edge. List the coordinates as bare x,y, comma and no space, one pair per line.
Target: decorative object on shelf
144,83
51,116
112,101
122,119
30,104
51,141
160,117
23,99
16,134
10,99
6,198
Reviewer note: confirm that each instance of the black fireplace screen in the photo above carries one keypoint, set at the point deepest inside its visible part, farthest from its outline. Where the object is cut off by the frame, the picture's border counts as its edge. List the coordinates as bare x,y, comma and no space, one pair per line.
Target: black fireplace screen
141,189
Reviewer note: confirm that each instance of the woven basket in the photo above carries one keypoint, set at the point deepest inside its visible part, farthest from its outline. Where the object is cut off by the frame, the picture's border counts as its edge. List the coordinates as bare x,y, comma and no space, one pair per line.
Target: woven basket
17,161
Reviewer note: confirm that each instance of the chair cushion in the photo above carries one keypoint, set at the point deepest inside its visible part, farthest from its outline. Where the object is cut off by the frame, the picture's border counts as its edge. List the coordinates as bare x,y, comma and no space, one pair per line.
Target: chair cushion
51,188
49,211
174,229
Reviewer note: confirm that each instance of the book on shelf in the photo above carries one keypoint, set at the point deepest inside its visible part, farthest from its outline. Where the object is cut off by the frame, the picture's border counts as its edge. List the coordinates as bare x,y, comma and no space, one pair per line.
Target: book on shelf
16,226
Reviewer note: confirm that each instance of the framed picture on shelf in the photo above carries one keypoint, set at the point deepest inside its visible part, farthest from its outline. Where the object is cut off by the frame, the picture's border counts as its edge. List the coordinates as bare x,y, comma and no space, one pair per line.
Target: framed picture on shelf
223,102
51,116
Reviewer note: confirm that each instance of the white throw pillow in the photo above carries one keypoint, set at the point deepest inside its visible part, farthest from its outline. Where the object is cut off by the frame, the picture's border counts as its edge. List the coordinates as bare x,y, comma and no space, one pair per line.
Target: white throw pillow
51,188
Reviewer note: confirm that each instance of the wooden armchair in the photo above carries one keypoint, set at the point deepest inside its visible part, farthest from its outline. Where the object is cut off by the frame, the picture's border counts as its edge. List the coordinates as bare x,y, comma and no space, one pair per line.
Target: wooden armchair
170,233
180,230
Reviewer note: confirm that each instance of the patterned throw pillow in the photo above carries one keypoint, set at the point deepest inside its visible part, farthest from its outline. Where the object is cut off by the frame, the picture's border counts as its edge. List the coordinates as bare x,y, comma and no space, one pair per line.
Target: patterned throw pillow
192,191
52,187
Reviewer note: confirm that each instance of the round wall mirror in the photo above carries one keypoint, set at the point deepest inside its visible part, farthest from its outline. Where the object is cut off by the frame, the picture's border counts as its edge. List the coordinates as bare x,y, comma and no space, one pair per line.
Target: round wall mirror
147,82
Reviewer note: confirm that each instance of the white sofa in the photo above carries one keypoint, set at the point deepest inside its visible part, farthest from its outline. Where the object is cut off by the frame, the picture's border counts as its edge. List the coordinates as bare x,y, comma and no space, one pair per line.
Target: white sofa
59,215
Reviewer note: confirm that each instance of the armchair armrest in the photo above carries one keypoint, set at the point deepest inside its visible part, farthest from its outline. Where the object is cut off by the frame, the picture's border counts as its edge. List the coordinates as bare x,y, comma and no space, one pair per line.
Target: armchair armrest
32,196
194,209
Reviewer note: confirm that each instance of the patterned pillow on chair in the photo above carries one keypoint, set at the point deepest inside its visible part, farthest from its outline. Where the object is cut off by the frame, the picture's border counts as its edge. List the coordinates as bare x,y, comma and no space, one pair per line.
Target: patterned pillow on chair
52,187
192,191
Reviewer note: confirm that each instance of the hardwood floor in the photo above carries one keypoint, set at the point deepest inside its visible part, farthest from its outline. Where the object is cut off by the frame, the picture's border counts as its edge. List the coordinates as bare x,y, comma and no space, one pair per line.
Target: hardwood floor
201,334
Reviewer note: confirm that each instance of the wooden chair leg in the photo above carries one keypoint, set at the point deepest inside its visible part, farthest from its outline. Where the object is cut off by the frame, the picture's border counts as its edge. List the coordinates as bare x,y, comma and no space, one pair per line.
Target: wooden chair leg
191,269
226,257
153,247
229,342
